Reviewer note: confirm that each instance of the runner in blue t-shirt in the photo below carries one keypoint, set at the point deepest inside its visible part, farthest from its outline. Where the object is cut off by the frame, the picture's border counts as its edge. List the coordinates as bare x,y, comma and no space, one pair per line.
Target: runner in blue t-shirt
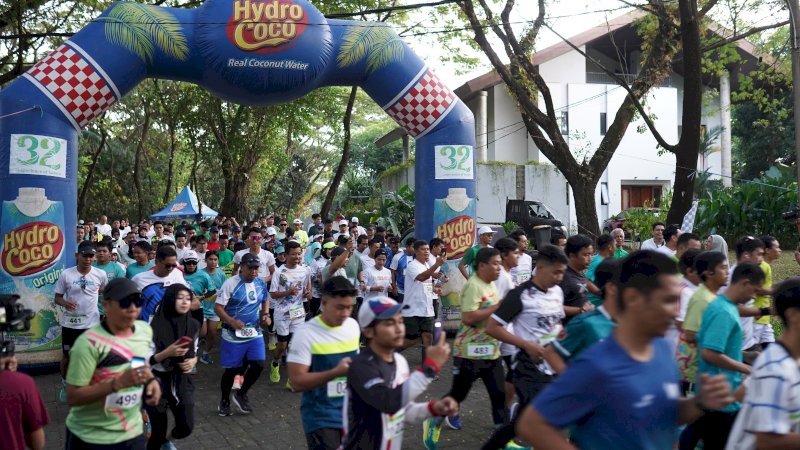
398,268
625,391
243,306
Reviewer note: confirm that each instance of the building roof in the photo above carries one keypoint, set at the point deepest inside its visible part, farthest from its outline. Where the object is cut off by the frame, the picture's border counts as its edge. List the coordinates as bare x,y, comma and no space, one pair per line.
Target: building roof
605,36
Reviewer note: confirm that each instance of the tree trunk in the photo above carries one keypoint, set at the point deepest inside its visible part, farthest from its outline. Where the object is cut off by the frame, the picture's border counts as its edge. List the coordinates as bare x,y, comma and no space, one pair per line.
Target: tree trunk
173,144
585,206
87,183
237,185
688,147
337,177
137,165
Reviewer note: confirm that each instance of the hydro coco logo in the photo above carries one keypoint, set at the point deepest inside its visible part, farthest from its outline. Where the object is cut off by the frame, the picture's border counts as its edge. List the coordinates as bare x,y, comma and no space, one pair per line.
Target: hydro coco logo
264,26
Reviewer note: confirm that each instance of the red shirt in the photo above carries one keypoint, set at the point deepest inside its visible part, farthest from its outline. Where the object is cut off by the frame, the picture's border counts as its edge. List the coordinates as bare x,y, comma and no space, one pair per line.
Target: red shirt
213,245
21,409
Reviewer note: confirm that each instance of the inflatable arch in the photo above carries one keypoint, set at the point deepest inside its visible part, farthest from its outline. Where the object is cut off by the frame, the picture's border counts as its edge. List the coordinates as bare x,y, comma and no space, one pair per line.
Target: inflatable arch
253,52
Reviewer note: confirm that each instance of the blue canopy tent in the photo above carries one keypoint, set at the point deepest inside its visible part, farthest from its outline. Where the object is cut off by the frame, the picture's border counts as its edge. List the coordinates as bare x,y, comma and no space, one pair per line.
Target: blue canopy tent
185,206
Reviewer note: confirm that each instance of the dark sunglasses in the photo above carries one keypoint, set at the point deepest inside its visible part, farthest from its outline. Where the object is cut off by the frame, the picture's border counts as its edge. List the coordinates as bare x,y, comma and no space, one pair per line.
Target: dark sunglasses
284,224
190,263
88,255
255,237
170,266
136,300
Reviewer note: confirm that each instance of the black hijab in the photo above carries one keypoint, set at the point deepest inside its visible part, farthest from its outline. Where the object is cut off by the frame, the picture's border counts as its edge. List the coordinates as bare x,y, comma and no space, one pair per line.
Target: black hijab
169,326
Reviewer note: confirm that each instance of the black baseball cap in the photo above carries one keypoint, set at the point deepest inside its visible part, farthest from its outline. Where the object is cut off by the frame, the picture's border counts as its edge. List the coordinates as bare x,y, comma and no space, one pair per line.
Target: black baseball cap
119,288
87,248
250,260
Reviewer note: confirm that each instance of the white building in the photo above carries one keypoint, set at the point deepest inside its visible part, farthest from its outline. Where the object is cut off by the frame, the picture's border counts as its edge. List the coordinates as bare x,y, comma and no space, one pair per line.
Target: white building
587,100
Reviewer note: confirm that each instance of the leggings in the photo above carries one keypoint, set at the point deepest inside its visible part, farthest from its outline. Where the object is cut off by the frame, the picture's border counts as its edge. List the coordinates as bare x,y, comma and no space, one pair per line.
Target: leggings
466,371
177,395
251,372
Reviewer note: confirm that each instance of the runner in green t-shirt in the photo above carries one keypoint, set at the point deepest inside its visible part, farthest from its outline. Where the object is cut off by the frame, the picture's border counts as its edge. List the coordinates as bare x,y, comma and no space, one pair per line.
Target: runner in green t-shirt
476,354
109,376
106,264
485,235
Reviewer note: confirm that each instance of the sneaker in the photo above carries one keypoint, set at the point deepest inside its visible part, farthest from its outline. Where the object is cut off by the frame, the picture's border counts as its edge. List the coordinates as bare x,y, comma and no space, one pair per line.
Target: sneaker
205,358
454,422
168,446
275,373
224,408
241,402
431,428
289,385
514,446
237,382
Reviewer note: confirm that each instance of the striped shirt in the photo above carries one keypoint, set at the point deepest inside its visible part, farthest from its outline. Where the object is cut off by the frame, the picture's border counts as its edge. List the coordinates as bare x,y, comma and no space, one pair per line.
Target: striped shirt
772,402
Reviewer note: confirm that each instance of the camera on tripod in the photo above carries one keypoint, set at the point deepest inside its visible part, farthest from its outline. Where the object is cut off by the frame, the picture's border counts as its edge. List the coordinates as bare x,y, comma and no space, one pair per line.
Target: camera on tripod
13,317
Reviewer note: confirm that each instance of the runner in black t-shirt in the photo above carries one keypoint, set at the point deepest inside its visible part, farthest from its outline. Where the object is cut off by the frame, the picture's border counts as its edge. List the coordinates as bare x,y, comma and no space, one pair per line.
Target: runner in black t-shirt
579,252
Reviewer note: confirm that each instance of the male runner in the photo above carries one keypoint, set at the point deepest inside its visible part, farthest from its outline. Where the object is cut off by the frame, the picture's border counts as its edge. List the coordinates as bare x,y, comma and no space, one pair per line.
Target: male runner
77,291
290,288
242,305
320,353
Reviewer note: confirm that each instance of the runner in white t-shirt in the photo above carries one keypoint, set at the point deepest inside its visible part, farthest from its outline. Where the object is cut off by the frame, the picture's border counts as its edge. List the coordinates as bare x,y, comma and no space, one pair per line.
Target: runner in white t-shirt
378,278
289,292
418,299
266,258
523,271
76,292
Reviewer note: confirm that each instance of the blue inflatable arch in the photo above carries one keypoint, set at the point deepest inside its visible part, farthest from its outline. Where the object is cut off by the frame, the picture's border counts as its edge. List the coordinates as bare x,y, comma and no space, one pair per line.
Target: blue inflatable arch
254,52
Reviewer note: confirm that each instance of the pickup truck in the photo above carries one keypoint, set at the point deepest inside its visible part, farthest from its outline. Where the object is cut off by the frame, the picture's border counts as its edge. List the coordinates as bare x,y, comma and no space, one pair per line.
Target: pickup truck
529,214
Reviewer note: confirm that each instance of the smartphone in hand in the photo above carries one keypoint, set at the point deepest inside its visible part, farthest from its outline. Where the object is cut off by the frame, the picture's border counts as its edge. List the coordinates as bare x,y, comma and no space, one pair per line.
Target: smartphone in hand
437,331
184,341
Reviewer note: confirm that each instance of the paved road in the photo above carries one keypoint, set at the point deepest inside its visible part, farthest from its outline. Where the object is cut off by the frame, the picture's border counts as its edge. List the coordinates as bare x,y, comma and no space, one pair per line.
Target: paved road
275,422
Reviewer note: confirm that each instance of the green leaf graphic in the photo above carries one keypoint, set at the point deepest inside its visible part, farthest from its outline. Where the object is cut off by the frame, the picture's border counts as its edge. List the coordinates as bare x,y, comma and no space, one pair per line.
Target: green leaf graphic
378,43
143,28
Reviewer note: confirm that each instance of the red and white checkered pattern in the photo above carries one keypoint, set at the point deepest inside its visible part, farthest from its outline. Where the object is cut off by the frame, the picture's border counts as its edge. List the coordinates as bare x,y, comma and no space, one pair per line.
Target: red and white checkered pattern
75,84
423,105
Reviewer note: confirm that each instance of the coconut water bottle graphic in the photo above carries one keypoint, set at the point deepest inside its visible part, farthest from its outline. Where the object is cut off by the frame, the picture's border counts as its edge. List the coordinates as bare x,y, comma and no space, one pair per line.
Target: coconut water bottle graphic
31,262
454,217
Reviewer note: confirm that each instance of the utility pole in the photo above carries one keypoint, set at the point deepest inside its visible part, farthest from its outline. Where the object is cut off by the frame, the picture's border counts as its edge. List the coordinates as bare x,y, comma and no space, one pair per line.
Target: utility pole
794,12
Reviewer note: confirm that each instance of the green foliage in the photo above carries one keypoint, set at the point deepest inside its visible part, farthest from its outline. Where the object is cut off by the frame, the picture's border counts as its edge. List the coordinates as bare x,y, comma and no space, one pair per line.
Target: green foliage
396,210
751,208
639,221
761,138
397,169
509,227
143,28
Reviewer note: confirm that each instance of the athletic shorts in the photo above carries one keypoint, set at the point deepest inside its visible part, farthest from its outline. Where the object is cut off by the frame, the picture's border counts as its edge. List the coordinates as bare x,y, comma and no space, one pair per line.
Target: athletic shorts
236,354
285,326
415,326
208,311
763,333
69,336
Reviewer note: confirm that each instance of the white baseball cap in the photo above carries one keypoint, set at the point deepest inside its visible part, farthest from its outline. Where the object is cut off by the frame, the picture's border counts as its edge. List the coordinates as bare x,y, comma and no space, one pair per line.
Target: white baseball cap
298,221
485,229
271,231
343,222
354,219
190,255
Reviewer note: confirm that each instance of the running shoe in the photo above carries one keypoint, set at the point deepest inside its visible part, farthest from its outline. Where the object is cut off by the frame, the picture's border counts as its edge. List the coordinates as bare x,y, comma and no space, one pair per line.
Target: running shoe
454,422
237,382
431,428
289,385
205,358
512,412
168,446
514,446
224,408
241,402
275,373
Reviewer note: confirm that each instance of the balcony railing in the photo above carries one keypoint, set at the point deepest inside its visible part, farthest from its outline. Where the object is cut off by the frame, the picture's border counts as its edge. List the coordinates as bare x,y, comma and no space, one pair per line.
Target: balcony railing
603,78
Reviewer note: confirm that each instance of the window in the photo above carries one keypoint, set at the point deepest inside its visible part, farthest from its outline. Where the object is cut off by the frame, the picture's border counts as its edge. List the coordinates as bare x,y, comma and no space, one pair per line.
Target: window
603,126
564,123
604,191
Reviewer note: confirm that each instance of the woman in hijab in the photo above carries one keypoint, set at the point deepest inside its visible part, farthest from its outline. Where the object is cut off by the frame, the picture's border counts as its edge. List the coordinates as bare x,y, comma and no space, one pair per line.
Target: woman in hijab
716,243
175,335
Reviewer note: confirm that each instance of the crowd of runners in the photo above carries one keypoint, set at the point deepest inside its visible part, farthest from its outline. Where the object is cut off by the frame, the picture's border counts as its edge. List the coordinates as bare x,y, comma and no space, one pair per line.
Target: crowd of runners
590,345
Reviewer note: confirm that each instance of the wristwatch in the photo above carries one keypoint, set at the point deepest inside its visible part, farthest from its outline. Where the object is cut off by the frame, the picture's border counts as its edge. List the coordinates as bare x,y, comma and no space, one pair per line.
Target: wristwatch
429,371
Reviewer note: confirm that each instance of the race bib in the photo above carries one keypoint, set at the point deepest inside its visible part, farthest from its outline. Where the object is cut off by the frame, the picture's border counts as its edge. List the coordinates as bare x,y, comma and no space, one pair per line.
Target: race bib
296,312
480,350
428,289
124,400
74,321
246,332
394,426
523,277
336,387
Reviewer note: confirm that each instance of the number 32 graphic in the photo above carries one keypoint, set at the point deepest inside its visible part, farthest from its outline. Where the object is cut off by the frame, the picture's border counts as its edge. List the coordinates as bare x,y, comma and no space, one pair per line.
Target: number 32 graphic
50,148
457,156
